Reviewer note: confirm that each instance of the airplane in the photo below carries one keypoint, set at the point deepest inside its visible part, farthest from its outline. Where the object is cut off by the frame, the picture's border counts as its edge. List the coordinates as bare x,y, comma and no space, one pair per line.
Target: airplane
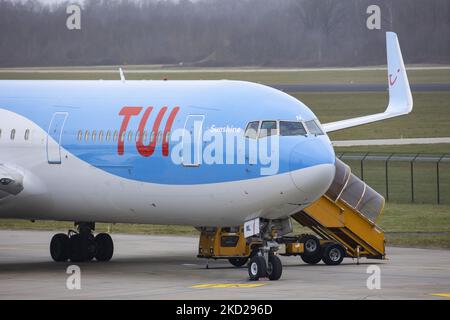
124,151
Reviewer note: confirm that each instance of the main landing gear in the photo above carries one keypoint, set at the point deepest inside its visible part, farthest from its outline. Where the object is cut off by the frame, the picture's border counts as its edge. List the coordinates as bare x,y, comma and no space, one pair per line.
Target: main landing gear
81,245
266,263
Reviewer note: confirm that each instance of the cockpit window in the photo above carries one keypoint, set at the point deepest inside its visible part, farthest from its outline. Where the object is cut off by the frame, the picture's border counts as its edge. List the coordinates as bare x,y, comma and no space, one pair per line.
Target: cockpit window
292,128
252,130
313,127
268,128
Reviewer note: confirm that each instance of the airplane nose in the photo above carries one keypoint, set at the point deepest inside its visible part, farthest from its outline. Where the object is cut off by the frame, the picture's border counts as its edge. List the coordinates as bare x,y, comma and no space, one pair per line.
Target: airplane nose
312,167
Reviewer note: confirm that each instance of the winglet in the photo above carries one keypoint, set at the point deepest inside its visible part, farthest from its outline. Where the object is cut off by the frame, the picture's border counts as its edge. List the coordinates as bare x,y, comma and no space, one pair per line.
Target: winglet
400,98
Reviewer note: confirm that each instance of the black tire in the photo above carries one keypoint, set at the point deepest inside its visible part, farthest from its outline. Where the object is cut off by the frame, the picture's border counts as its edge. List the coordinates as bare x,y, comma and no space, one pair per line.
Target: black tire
311,259
275,268
78,253
105,247
257,268
311,245
238,262
59,247
91,247
333,254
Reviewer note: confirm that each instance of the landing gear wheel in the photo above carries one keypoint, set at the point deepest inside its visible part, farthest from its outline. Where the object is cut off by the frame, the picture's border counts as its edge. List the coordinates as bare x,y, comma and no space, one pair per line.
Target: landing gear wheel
275,268
77,252
82,248
311,245
333,254
238,262
311,259
91,247
105,247
257,268
59,247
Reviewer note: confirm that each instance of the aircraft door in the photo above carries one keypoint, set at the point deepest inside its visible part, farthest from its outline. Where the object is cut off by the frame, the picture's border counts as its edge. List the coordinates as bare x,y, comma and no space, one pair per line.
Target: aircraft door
54,136
192,141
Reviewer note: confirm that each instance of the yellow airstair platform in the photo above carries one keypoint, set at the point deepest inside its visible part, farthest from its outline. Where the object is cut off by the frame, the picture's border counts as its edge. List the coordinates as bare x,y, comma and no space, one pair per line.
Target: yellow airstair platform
345,219
348,214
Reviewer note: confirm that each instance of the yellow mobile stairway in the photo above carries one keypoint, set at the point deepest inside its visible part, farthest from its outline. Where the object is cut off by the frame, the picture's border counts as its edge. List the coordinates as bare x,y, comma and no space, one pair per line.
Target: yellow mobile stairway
347,214
344,217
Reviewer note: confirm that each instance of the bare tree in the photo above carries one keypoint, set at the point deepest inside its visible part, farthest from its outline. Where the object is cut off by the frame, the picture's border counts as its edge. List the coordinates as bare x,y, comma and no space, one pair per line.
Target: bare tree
221,33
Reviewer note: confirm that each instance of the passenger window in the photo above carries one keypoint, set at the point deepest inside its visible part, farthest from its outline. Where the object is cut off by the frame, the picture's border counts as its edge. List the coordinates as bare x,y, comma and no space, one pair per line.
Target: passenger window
122,137
252,130
292,128
94,135
86,136
268,128
108,136
313,127
137,136
27,134
159,136
130,136
13,134
80,135
144,139
152,136
116,136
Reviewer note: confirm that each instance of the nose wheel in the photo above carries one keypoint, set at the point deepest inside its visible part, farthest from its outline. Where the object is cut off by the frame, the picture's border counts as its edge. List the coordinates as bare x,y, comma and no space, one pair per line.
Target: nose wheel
81,245
265,263
258,268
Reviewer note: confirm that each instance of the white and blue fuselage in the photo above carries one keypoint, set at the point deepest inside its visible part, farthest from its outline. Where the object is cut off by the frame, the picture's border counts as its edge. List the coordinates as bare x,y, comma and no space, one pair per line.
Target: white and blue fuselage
102,151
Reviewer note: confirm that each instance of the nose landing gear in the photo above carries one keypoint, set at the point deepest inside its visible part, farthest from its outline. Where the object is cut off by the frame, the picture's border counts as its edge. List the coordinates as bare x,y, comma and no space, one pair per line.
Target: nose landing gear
266,263
268,266
81,245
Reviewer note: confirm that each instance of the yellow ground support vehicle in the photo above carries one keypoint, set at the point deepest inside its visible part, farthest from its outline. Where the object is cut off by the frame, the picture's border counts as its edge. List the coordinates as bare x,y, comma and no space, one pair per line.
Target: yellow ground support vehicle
344,219
230,243
347,214
226,243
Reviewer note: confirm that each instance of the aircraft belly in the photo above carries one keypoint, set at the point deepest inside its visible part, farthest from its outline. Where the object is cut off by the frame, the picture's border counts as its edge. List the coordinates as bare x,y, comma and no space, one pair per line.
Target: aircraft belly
105,197
78,191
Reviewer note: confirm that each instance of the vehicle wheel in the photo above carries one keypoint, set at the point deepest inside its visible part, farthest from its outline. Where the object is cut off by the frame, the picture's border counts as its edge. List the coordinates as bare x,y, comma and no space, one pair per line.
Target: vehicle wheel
238,262
59,247
311,245
78,253
257,268
311,259
275,268
105,247
333,254
91,247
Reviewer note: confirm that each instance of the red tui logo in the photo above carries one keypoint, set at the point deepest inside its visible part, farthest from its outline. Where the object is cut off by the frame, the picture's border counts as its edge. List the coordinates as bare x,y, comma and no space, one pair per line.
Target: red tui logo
392,82
146,150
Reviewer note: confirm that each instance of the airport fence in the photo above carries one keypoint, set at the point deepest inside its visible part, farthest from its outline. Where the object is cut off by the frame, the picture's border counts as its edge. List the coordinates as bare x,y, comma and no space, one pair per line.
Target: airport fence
404,178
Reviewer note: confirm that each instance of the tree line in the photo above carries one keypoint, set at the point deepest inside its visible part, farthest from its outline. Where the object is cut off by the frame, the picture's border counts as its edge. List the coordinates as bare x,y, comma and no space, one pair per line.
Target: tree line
272,33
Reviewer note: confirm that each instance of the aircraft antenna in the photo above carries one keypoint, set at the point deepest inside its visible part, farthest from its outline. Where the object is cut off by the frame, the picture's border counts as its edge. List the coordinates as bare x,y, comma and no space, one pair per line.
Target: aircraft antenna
122,76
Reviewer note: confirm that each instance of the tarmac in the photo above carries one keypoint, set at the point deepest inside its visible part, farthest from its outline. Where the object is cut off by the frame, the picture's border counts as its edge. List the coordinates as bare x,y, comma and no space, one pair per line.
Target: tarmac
166,267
